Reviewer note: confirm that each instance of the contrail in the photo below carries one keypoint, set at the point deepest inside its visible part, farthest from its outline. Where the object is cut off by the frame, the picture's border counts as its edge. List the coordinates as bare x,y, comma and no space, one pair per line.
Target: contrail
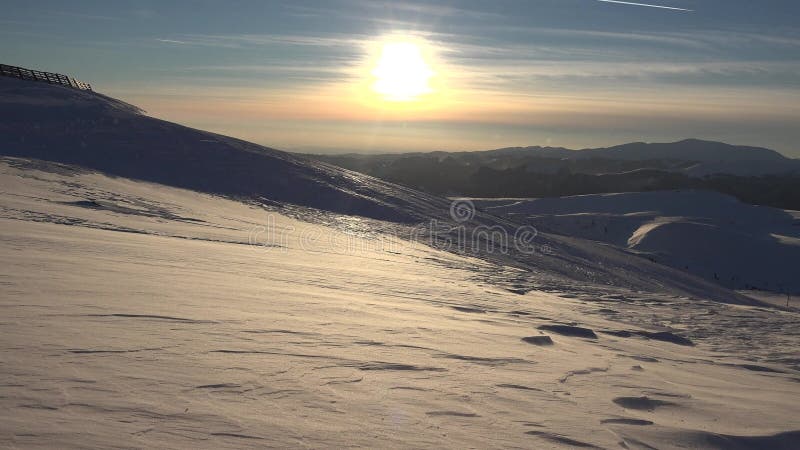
645,4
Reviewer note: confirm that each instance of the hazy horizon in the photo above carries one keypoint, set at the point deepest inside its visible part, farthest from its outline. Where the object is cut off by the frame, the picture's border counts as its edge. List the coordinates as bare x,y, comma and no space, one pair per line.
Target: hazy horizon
312,76
344,151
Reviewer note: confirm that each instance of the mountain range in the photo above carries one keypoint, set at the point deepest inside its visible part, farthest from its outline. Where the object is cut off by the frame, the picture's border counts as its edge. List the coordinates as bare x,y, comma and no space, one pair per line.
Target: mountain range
685,150
751,174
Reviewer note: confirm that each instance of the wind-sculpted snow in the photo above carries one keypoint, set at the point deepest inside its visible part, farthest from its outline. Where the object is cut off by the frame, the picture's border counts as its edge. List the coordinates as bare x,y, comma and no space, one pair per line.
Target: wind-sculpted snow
145,316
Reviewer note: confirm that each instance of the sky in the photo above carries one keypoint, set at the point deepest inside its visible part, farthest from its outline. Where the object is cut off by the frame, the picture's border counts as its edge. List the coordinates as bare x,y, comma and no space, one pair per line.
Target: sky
311,76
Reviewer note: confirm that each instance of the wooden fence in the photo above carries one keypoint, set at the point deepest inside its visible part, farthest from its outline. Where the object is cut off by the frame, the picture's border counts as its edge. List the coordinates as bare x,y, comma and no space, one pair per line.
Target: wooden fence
46,77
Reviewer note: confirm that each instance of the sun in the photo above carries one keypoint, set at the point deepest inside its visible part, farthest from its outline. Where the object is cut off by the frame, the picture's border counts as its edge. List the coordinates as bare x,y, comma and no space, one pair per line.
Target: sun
401,72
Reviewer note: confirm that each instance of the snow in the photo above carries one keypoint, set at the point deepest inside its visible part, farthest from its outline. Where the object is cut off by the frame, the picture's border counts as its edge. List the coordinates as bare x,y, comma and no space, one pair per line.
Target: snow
55,123
708,234
172,288
139,315
79,128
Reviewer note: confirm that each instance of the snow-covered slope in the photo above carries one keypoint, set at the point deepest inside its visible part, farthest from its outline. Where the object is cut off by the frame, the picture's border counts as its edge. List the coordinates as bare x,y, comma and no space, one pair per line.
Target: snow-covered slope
54,123
139,315
278,302
705,233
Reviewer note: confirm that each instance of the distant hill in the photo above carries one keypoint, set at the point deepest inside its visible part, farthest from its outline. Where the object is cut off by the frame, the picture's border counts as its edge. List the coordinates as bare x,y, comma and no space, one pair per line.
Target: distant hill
752,174
708,157
687,149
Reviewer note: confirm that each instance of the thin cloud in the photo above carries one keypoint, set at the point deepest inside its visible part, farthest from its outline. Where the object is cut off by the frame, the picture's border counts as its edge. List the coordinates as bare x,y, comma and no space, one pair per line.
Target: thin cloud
83,15
425,9
242,40
172,41
646,4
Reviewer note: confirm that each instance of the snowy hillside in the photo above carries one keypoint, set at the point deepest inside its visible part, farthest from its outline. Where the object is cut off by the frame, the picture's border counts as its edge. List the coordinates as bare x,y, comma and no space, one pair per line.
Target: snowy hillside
167,287
54,123
141,315
705,233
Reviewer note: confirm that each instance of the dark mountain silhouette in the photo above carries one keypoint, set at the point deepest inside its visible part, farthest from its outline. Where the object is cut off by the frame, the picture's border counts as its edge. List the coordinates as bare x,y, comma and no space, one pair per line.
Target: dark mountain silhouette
752,174
687,149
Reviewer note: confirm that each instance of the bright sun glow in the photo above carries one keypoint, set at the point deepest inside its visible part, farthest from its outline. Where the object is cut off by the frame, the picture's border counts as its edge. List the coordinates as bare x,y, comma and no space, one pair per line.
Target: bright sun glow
401,73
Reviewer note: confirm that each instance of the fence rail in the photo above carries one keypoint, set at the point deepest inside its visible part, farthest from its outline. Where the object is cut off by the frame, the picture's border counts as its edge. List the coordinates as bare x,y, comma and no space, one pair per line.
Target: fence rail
46,77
